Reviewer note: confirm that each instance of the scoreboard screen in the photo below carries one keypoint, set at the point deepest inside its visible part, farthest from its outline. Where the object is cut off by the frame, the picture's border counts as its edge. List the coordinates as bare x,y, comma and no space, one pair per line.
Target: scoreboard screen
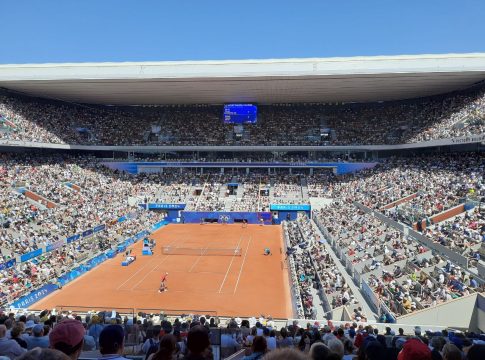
240,113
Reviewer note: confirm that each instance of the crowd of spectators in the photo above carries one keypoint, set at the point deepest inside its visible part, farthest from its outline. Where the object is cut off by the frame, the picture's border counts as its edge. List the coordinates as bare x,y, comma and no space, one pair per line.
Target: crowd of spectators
84,194
463,234
445,116
312,267
67,335
80,193
401,271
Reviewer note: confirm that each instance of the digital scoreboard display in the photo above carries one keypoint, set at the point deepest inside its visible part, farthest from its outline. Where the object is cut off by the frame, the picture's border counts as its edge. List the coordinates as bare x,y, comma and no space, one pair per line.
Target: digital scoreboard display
240,113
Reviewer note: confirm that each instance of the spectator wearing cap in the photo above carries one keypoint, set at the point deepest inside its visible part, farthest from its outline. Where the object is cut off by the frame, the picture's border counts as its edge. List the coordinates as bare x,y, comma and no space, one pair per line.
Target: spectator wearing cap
8,347
89,342
29,325
111,342
68,337
397,337
414,349
37,338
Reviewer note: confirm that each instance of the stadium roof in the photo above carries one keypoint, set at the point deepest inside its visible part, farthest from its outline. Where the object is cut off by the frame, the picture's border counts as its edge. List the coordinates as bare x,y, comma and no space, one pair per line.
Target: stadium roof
327,80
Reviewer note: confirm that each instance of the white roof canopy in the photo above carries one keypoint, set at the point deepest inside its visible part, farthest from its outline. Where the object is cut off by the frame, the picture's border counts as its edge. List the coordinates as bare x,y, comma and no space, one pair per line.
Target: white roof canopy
354,79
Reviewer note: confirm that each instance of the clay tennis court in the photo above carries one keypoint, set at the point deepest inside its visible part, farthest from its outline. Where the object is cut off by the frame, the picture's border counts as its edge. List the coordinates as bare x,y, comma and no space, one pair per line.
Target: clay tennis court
246,285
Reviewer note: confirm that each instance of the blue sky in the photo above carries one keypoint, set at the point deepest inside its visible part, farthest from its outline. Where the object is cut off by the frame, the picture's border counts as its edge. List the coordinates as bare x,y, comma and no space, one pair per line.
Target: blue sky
38,31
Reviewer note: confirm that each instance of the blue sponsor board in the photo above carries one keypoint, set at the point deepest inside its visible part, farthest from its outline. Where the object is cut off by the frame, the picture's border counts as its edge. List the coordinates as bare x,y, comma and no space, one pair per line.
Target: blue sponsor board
39,294
30,255
290,207
87,233
159,225
153,206
227,217
34,296
55,245
8,264
99,228
72,238
140,235
340,167
132,215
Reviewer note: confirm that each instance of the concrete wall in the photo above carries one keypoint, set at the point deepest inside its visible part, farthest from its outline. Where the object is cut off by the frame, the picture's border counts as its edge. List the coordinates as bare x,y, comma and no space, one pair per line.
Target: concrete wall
40,199
400,201
456,313
478,321
443,215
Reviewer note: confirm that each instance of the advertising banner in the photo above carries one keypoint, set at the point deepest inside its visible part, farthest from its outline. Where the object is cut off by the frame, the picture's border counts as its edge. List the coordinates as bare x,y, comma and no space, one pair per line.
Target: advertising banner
55,245
30,255
34,296
99,228
87,233
8,264
72,238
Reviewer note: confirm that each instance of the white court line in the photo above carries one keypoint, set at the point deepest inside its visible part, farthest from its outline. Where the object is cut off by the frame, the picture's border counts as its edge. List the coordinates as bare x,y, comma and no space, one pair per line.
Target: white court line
196,261
230,264
242,265
152,270
148,273
140,269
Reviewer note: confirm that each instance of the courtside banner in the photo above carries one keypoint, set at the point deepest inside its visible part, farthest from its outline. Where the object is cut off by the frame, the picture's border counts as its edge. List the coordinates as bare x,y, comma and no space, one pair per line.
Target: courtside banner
7,264
34,296
140,235
158,225
227,217
55,245
290,207
70,239
151,167
99,228
154,206
87,233
30,255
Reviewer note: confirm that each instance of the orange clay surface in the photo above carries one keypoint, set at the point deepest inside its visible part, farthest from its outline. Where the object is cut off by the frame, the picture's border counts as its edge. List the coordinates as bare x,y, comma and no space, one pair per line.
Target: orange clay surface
248,285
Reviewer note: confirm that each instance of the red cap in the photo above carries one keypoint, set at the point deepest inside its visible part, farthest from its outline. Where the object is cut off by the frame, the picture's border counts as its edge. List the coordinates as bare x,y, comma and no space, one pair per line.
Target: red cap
68,331
414,349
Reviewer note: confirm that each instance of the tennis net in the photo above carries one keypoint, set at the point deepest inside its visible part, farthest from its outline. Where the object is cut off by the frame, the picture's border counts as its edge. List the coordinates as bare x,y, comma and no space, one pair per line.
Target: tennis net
174,250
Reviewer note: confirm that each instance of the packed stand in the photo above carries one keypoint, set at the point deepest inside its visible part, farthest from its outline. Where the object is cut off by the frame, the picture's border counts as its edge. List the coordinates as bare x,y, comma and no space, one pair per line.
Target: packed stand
445,116
108,334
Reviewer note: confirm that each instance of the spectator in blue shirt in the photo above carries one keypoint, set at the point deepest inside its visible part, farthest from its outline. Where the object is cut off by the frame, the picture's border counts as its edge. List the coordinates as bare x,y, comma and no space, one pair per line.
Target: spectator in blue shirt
37,338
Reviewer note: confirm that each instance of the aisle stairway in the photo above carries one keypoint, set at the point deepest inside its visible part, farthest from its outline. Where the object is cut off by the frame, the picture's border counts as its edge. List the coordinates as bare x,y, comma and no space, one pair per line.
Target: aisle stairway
355,290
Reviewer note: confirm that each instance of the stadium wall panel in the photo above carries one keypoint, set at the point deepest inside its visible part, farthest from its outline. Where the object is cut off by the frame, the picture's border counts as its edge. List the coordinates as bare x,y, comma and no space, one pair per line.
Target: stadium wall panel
195,217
